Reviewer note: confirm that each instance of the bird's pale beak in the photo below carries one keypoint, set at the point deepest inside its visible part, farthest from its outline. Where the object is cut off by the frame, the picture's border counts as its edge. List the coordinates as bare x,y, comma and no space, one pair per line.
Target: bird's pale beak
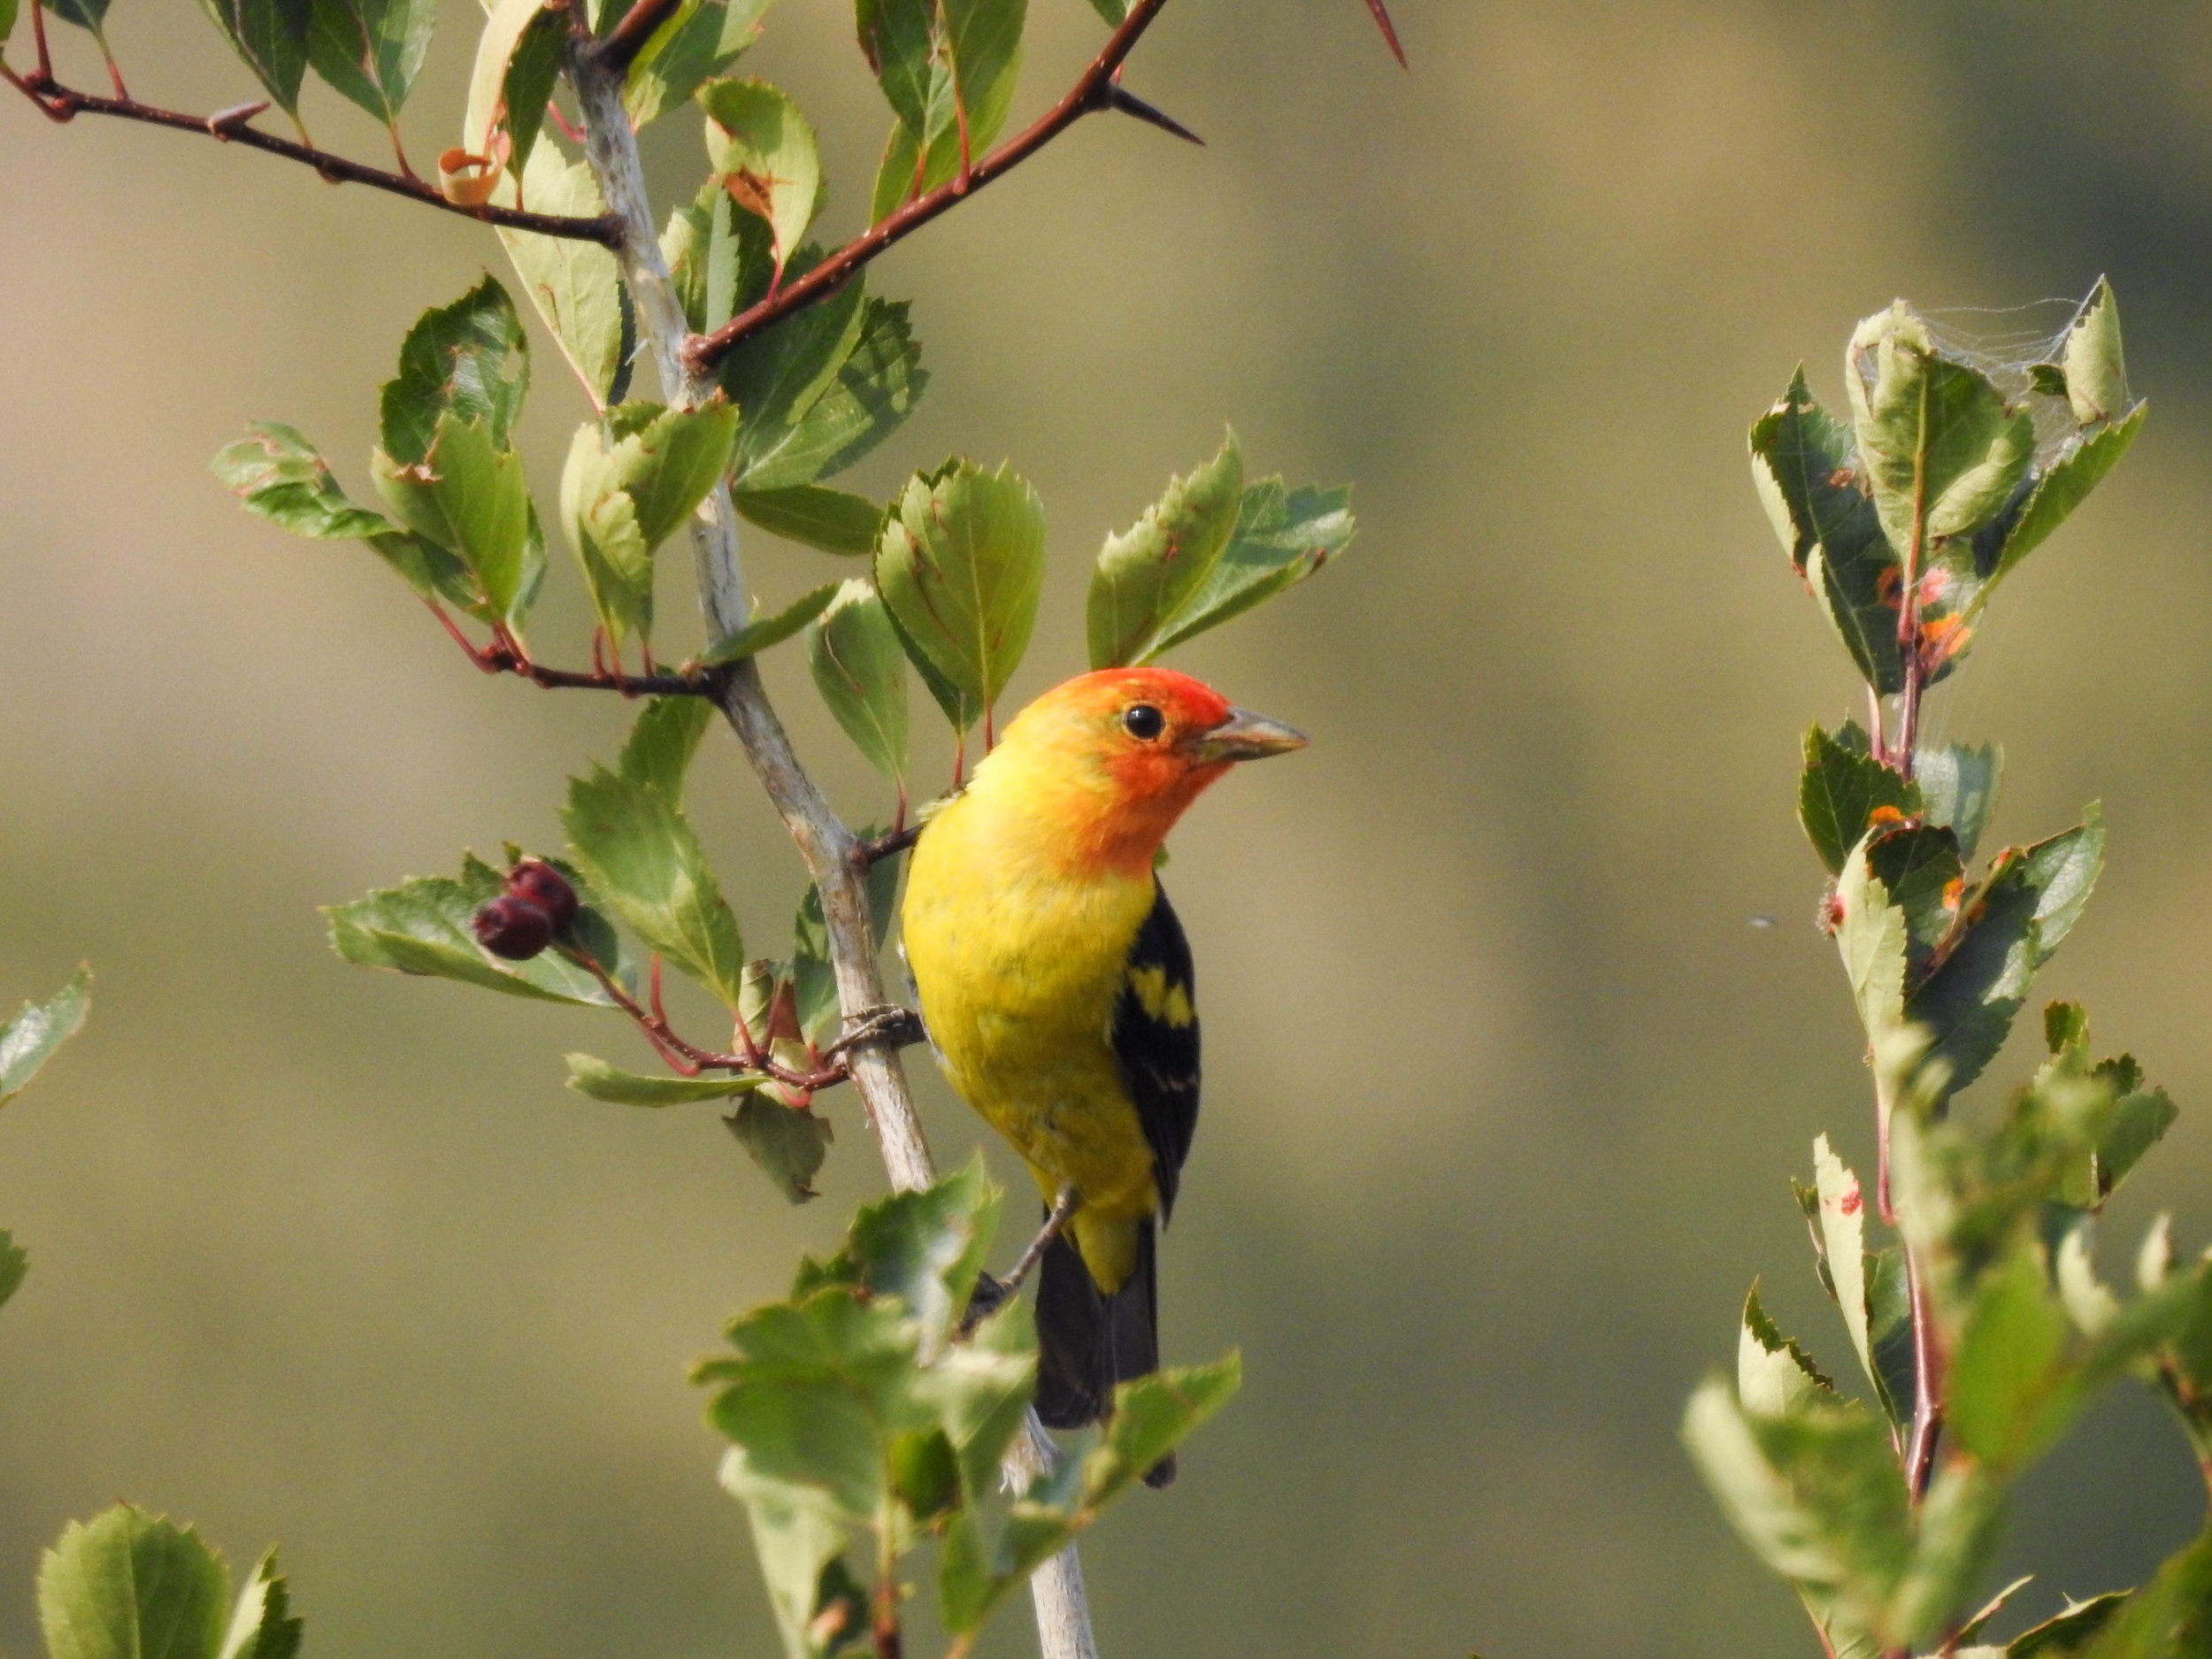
1246,736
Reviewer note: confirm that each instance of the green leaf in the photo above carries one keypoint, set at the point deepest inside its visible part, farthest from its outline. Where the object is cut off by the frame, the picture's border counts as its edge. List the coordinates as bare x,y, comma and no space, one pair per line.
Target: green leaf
270,36
774,629
127,1585
875,388
371,51
860,669
628,484
422,927
281,476
1152,1416
2005,932
575,285
686,53
799,1543
924,1474
1958,1528
1959,786
641,855
2057,493
664,742
926,1248
1842,790
2068,1634
2149,1624
1943,454
469,498
1773,1374
1990,1609
29,1040
948,69
1144,575
814,516
1808,476
589,1075
765,152
262,1626
1280,539
1115,11
788,1142
1816,1496
469,359
533,72
7,23
91,15
1842,1220
2095,367
1871,936
960,569
14,1264
489,105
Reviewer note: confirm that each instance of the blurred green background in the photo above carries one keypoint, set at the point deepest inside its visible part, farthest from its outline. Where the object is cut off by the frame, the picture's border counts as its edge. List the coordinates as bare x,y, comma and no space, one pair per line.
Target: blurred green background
1503,1081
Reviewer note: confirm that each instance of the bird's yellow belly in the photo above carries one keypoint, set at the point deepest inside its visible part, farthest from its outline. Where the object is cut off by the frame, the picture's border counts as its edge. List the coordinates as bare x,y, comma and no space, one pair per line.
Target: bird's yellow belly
1018,987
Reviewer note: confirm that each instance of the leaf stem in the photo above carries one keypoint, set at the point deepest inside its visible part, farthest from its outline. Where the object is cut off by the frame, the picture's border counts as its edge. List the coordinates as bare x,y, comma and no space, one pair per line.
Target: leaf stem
1093,91
62,104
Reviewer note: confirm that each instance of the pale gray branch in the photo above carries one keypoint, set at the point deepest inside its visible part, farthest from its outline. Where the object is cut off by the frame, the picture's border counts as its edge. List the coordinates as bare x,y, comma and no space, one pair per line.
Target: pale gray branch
825,845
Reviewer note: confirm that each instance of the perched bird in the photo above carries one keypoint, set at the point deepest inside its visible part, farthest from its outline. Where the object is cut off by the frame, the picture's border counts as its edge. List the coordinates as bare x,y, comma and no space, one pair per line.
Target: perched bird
1056,985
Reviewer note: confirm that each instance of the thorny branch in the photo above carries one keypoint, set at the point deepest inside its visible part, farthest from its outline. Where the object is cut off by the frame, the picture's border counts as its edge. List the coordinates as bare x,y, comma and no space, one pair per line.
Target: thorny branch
61,104
505,655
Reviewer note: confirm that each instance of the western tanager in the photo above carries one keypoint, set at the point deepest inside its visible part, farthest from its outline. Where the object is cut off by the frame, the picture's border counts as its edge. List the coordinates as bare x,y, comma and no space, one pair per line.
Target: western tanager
1056,985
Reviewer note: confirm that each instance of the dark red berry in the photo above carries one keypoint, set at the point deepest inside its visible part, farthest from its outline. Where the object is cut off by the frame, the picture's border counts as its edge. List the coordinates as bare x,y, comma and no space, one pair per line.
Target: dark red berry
541,885
512,927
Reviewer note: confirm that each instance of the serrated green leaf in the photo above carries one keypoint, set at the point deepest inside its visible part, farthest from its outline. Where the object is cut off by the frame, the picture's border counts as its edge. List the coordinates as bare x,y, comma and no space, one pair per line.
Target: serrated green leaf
773,629
371,51
1954,1543
422,927
575,285
829,519
2151,1622
2095,367
960,568
2068,1634
925,1247
270,37
1871,937
591,1076
469,496
1841,1218
1959,786
1843,788
1152,1416
127,1585
1281,538
14,1264
469,359
664,742
262,1626
643,858
628,484
685,54
948,69
2058,492
496,50
860,669
603,531
765,154
874,388
533,72
1146,573
798,1540
29,1040
90,15
1773,1374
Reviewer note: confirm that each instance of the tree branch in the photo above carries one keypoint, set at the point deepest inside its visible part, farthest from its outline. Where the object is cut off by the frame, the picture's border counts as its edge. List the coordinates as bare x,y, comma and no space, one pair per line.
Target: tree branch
828,849
61,103
1094,90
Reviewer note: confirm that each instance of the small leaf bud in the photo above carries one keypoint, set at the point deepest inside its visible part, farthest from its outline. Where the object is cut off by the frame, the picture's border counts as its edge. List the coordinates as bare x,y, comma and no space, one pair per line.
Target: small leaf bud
541,885
512,927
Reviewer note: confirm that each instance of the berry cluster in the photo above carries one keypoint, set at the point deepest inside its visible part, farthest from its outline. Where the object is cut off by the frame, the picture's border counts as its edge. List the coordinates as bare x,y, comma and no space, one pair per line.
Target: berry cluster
535,909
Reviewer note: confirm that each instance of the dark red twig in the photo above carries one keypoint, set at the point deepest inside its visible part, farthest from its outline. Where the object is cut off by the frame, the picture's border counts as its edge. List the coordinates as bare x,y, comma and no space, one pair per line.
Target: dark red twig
1093,91
1381,14
888,845
505,655
61,104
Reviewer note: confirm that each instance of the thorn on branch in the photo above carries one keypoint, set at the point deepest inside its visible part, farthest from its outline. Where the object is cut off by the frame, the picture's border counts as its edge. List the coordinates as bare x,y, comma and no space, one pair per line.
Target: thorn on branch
1119,98
1381,14
225,124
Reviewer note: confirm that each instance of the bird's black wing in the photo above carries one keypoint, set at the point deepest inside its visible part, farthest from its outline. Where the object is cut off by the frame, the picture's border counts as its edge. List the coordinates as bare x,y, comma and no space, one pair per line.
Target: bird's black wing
1156,1039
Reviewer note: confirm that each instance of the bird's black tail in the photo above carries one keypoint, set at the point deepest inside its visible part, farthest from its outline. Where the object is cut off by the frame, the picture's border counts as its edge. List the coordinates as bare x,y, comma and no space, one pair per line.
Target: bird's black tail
1087,1340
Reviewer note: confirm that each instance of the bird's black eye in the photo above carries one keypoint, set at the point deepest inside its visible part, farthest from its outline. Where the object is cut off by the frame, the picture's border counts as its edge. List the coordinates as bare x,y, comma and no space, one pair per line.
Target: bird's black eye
1144,722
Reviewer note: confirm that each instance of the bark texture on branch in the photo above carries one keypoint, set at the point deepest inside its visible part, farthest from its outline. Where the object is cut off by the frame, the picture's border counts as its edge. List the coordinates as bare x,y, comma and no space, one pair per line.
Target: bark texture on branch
833,856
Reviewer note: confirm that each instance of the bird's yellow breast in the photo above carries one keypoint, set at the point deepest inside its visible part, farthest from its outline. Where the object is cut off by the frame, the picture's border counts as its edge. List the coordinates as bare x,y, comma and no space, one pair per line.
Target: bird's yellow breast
1019,964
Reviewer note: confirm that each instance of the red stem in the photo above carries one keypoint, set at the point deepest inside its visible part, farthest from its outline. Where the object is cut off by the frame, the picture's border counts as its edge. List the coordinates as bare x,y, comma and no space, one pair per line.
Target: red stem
59,103
1092,91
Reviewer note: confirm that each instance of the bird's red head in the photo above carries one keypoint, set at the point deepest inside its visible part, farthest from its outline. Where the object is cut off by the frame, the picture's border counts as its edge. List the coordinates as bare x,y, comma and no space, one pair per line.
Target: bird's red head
1116,756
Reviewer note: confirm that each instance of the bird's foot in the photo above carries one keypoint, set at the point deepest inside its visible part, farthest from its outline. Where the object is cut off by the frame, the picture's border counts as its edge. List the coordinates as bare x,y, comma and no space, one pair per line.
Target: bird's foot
890,1025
